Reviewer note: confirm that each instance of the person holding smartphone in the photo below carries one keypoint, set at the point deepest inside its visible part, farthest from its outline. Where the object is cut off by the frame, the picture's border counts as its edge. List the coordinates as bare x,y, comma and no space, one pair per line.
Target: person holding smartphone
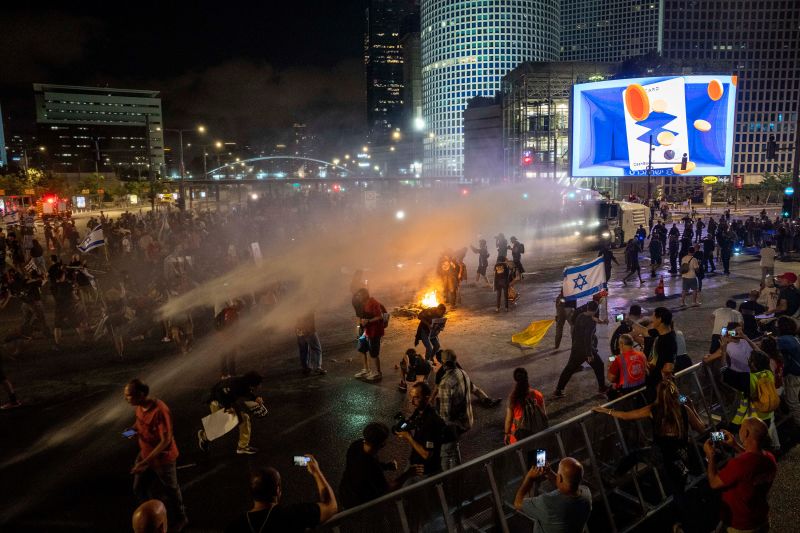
269,513
155,463
567,508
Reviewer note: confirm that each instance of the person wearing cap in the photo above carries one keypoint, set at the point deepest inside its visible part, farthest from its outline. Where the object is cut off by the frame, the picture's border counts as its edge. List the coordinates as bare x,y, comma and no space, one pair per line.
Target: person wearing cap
517,249
788,295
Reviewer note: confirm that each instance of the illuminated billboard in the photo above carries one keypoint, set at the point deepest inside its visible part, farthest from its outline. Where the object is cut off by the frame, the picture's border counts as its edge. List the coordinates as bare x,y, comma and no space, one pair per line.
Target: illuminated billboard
687,121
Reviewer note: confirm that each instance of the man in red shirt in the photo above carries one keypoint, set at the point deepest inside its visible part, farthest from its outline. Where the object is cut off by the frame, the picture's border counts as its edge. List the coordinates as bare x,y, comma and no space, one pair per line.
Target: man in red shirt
157,452
369,344
745,480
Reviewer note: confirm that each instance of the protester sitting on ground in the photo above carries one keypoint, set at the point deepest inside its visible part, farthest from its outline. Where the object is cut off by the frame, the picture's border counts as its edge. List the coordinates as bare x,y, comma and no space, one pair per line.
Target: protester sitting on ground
270,514
627,371
150,517
565,509
672,420
364,479
523,399
485,399
745,480
413,368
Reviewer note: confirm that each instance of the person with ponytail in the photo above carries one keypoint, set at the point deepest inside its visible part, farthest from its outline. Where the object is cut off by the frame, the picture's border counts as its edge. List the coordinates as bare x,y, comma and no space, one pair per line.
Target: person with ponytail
517,425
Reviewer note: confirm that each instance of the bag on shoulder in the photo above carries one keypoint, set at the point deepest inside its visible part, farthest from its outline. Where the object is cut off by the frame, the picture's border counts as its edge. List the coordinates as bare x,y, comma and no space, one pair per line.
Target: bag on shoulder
533,419
767,399
685,268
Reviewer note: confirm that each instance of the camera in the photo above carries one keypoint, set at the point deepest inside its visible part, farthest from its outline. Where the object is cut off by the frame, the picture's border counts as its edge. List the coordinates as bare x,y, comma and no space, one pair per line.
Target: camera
401,423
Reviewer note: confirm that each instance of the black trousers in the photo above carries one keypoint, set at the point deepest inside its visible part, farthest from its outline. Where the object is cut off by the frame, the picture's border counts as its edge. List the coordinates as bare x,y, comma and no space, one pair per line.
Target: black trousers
574,365
502,291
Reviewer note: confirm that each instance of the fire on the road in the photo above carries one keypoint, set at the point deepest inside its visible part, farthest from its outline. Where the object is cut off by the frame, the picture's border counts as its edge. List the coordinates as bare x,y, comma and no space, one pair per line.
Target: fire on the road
429,299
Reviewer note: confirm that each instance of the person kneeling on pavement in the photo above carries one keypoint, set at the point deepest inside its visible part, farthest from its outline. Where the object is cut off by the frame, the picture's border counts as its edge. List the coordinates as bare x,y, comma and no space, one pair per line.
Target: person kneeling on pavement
564,510
270,514
236,395
413,368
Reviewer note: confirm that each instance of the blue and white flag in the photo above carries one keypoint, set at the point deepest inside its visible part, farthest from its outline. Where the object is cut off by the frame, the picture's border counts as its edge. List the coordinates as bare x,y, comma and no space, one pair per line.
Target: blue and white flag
93,240
584,280
11,219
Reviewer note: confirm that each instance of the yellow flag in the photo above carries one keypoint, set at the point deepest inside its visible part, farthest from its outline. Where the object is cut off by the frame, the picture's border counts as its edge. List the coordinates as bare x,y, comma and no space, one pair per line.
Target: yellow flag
533,334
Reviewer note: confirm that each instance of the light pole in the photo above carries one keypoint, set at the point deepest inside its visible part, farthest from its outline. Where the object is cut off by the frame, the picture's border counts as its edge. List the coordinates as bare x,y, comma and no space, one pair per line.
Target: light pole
199,129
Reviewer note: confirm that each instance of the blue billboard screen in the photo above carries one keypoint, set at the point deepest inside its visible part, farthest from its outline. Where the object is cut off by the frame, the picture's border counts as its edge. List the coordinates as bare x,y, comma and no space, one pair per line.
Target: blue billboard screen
687,121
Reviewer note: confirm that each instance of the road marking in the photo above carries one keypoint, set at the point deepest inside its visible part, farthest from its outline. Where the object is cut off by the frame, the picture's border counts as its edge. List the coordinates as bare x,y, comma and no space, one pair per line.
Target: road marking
303,422
201,477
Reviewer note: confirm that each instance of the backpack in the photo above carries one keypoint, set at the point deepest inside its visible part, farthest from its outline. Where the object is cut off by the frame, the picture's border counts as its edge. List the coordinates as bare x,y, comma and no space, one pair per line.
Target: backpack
533,419
767,399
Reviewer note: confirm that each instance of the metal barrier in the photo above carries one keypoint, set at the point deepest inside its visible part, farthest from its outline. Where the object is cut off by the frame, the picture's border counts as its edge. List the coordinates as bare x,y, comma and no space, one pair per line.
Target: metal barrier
479,495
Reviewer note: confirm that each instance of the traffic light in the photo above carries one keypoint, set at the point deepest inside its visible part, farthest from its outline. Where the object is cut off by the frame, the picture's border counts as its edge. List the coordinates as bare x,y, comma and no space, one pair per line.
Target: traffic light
786,210
772,148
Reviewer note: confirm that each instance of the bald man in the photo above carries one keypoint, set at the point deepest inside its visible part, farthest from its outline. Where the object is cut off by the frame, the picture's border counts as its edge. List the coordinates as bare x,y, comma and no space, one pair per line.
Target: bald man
564,510
746,479
150,517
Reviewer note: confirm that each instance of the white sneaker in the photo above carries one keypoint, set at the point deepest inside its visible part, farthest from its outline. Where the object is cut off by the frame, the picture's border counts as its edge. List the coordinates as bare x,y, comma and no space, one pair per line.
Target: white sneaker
374,376
362,373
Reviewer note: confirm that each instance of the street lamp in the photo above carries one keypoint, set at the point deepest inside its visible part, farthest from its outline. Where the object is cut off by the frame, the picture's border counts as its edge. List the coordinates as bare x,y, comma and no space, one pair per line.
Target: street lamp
199,129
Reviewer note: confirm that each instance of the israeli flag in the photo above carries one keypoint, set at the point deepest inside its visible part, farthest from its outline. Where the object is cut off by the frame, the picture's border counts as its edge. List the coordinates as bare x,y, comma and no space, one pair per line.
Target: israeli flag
93,240
11,218
584,280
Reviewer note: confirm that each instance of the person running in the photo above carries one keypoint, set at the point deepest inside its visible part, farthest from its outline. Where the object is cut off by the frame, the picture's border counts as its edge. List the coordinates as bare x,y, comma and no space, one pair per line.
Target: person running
632,261
584,350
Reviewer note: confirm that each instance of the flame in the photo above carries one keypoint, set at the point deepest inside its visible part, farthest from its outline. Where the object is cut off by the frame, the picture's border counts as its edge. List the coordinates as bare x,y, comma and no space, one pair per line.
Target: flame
429,299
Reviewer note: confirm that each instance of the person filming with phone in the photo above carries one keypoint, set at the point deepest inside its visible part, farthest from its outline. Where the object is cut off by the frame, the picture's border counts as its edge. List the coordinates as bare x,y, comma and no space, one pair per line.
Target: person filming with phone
269,514
745,480
564,510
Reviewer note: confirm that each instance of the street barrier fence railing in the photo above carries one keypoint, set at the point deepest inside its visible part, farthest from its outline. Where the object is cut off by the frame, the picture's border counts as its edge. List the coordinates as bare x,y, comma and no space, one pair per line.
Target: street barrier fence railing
479,494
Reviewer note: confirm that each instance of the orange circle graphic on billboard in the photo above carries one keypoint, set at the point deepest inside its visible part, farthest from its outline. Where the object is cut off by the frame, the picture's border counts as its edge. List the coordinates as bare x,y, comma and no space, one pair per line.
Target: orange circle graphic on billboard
715,90
637,102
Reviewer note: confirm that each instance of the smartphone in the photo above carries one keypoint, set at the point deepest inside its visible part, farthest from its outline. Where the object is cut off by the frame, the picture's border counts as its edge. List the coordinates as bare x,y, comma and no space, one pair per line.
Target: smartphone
301,460
717,436
611,358
732,333
541,458
682,398
129,433
620,317
723,332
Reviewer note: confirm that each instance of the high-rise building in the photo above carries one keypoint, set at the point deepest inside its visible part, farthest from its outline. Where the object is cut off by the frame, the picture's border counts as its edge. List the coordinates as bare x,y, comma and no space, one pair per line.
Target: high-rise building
383,62
88,128
760,41
467,48
611,30
3,148
483,139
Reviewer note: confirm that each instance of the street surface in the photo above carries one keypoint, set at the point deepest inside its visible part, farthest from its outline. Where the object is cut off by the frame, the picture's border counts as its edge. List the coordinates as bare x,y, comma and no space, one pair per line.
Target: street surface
77,479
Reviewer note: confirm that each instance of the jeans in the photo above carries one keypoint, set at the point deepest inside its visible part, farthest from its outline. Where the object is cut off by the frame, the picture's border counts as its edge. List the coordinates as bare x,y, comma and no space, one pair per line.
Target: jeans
165,479
574,365
310,351
244,424
502,290
431,345
791,391
450,455
726,263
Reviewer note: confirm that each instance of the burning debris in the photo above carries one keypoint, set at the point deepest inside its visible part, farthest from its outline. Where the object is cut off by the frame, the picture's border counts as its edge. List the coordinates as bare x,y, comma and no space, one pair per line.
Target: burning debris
411,310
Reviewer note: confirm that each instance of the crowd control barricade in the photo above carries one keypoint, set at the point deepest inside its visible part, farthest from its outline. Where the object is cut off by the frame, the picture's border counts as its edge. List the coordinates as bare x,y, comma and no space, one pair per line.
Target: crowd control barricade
479,494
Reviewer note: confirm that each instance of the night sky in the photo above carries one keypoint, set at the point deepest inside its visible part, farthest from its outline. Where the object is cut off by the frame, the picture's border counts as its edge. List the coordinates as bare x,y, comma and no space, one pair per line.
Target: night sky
247,70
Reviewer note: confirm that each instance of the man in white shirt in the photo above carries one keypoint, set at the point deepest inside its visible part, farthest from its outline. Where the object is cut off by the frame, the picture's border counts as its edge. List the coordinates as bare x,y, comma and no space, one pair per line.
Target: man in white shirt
722,317
767,261
689,266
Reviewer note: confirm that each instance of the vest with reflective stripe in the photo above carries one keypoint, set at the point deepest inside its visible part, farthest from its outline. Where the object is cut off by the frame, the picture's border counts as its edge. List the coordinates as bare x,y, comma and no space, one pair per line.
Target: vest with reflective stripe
632,369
